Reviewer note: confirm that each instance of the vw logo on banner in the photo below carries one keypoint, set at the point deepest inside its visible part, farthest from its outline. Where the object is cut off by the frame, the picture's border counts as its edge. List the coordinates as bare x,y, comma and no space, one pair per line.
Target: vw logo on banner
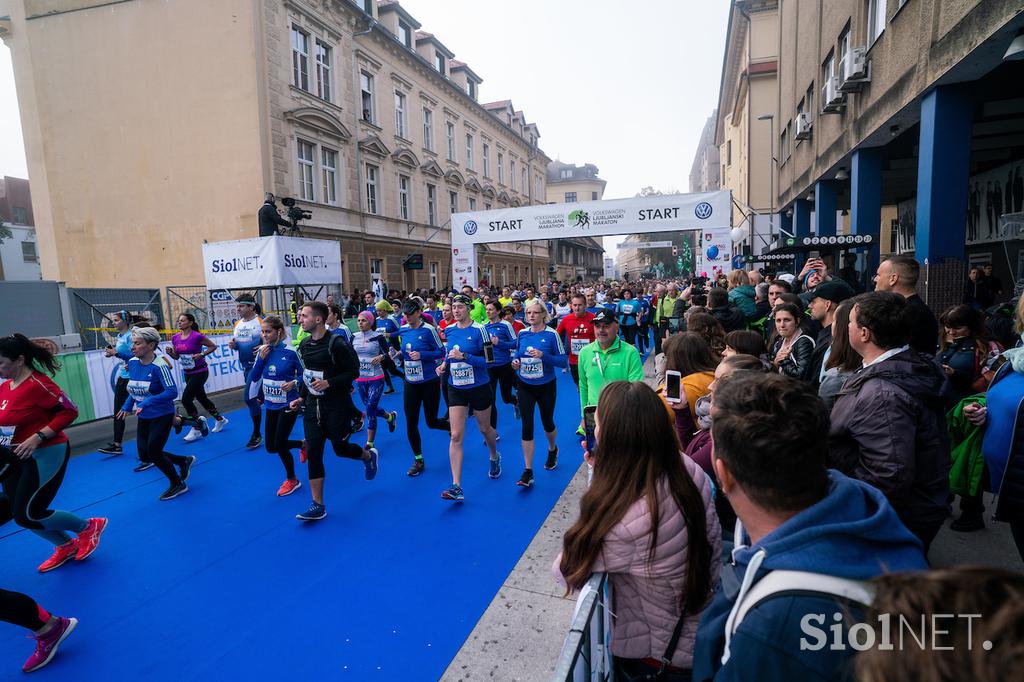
470,227
702,210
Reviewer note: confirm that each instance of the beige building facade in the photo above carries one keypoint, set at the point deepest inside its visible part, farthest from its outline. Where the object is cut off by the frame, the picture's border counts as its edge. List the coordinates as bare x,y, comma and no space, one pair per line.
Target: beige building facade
368,121
706,170
577,258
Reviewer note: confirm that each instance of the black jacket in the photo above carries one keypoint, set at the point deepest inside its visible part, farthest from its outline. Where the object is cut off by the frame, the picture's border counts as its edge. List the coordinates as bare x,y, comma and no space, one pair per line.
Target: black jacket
730,317
924,326
269,220
889,430
798,364
821,345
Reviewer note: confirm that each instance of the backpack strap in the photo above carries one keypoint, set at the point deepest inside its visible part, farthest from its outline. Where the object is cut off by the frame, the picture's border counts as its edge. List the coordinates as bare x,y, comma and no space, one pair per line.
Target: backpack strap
780,583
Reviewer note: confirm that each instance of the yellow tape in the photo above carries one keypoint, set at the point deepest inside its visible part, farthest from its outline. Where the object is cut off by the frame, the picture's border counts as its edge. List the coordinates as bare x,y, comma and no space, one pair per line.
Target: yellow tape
163,331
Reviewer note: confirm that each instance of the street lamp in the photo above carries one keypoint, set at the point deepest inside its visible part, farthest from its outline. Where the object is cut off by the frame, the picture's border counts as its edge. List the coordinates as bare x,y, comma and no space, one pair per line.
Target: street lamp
771,180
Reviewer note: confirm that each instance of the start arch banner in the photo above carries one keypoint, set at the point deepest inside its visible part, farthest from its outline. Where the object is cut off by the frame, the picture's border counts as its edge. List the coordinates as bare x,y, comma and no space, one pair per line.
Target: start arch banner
709,212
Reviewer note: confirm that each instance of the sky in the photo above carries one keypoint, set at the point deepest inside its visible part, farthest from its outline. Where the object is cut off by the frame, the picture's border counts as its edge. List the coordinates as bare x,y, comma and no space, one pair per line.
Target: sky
625,85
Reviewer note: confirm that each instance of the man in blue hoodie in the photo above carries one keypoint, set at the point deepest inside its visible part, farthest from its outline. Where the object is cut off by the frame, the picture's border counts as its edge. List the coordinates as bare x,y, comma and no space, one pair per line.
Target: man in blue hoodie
769,434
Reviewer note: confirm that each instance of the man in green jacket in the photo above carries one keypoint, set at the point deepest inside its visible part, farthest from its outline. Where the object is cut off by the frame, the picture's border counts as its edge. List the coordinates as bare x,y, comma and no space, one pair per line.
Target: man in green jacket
606,359
477,312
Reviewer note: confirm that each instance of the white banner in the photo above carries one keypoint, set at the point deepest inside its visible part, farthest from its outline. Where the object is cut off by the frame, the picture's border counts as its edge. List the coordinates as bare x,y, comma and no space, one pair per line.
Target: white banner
643,245
271,262
714,254
706,211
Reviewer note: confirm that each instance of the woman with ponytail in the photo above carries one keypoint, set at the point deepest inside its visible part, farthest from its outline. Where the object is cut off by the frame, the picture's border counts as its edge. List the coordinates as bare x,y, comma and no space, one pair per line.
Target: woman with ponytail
122,350
34,452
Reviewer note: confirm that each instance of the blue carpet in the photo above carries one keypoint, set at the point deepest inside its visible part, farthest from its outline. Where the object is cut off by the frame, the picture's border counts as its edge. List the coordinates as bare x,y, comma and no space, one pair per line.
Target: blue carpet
224,582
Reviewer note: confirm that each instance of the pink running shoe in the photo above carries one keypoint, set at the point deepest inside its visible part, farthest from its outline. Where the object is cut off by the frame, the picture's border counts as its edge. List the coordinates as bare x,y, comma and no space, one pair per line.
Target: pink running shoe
46,645
61,555
288,487
89,539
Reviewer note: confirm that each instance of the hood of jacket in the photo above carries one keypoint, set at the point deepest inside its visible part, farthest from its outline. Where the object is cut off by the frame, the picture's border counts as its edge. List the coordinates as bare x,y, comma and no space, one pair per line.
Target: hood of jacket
730,316
919,376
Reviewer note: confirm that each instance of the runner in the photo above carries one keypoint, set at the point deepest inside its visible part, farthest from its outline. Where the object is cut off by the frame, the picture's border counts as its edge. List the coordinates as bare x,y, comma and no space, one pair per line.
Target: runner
245,340
151,394
509,315
34,411
422,351
468,388
578,327
187,348
336,323
503,339
371,348
446,319
122,349
326,390
277,371
387,327
538,351
49,631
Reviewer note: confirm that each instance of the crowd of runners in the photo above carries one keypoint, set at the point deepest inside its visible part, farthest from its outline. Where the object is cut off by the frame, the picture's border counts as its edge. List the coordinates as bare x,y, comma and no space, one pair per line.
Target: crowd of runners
842,422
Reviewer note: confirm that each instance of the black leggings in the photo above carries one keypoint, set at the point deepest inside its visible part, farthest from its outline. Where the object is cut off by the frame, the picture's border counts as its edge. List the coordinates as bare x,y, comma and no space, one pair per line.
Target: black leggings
543,396
28,490
503,377
629,334
20,609
279,429
195,389
427,394
328,420
151,437
120,396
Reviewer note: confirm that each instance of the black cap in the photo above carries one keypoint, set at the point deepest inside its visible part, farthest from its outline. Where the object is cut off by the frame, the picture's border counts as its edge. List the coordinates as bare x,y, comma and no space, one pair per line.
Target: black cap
463,299
835,290
604,316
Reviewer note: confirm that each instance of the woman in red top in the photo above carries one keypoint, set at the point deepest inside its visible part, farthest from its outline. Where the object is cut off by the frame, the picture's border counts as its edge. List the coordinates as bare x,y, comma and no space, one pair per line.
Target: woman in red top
34,451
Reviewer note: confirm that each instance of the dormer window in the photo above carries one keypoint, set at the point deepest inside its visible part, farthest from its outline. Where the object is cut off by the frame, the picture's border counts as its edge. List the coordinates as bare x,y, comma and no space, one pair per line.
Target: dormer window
471,89
439,64
405,34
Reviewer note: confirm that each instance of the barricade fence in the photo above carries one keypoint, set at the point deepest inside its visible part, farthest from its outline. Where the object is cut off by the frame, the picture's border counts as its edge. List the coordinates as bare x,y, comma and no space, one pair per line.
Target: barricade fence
586,653
92,311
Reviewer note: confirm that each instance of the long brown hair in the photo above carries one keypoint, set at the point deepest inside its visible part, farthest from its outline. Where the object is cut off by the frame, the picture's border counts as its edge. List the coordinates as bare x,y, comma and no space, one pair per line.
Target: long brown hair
688,353
842,354
637,447
964,315
708,327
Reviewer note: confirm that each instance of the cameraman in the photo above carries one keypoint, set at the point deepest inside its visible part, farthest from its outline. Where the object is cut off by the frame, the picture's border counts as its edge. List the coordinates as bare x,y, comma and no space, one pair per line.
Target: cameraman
269,217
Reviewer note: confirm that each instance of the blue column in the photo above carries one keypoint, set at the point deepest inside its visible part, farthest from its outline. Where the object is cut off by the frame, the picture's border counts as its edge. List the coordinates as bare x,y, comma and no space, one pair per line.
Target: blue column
825,192
786,221
943,167
801,218
866,200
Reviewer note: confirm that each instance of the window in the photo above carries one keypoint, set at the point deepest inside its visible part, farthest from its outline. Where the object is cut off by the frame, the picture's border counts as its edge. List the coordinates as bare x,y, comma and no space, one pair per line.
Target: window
306,171
501,170
371,188
428,129
565,173
469,151
523,183
431,204
512,173
472,204
433,276
28,252
844,51
376,267
401,129
540,187
471,89
403,196
453,203
728,152
366,83
876,19
439,63
19,215
809,98
828,70
329,175
323,70
405,34
368,6
570,197
451,140
487,207
487,160
300,59
593,196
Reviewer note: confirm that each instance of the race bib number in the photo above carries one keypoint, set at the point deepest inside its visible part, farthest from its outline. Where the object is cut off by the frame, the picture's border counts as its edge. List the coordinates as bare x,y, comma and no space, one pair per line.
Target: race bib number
6,436
187,361
367,370
273,391
243,334
138,389
413,371
309,376
462,374
576,345
531,368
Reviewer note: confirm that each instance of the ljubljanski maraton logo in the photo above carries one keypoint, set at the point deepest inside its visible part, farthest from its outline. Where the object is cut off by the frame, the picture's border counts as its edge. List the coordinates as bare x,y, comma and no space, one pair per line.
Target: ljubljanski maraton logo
579,218
470,227
702,210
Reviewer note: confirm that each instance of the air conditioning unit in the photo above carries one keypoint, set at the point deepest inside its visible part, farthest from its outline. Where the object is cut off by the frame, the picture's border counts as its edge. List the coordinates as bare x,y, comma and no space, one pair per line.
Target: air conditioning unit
856,70
831,98
803,126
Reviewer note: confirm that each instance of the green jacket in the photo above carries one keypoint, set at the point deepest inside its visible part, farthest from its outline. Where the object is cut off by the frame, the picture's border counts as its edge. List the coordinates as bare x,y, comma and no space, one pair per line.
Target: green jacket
479,311
965,456
597,367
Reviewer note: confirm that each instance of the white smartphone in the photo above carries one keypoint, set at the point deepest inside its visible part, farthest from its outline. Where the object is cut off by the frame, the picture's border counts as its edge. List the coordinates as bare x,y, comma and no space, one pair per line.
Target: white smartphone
673,387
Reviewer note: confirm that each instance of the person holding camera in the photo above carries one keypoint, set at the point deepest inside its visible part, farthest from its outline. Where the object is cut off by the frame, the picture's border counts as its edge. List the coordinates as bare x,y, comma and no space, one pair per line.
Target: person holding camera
269,218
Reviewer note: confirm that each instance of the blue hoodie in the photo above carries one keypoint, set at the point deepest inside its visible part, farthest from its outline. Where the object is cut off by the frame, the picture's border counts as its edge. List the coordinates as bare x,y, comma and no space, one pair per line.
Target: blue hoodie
852,533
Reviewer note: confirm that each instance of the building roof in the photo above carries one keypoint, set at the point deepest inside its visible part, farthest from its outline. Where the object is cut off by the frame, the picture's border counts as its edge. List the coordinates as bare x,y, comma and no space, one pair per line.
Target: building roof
456,65
424,37
393,6
587,171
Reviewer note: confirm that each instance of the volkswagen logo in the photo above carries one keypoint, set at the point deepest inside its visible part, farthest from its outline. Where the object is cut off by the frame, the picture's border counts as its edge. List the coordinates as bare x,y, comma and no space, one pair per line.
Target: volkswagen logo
702,210
470,227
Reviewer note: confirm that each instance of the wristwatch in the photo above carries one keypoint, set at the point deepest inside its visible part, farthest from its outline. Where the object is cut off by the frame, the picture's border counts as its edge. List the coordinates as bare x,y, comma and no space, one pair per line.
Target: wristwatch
42,438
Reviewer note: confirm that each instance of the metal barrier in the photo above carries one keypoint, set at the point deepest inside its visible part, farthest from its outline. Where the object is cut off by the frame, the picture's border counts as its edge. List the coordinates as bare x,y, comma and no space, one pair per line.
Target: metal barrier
91,310
586,654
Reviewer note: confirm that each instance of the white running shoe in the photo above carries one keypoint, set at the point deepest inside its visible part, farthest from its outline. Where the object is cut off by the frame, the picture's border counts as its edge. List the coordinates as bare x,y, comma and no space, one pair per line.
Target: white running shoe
193,435
219,424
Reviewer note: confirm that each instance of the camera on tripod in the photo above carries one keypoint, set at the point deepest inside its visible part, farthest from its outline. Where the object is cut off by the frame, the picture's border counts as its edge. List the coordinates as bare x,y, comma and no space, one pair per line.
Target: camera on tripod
296,213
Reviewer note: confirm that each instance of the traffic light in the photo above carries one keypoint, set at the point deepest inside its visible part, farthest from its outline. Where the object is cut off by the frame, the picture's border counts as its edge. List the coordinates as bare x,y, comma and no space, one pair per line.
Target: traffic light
675,251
